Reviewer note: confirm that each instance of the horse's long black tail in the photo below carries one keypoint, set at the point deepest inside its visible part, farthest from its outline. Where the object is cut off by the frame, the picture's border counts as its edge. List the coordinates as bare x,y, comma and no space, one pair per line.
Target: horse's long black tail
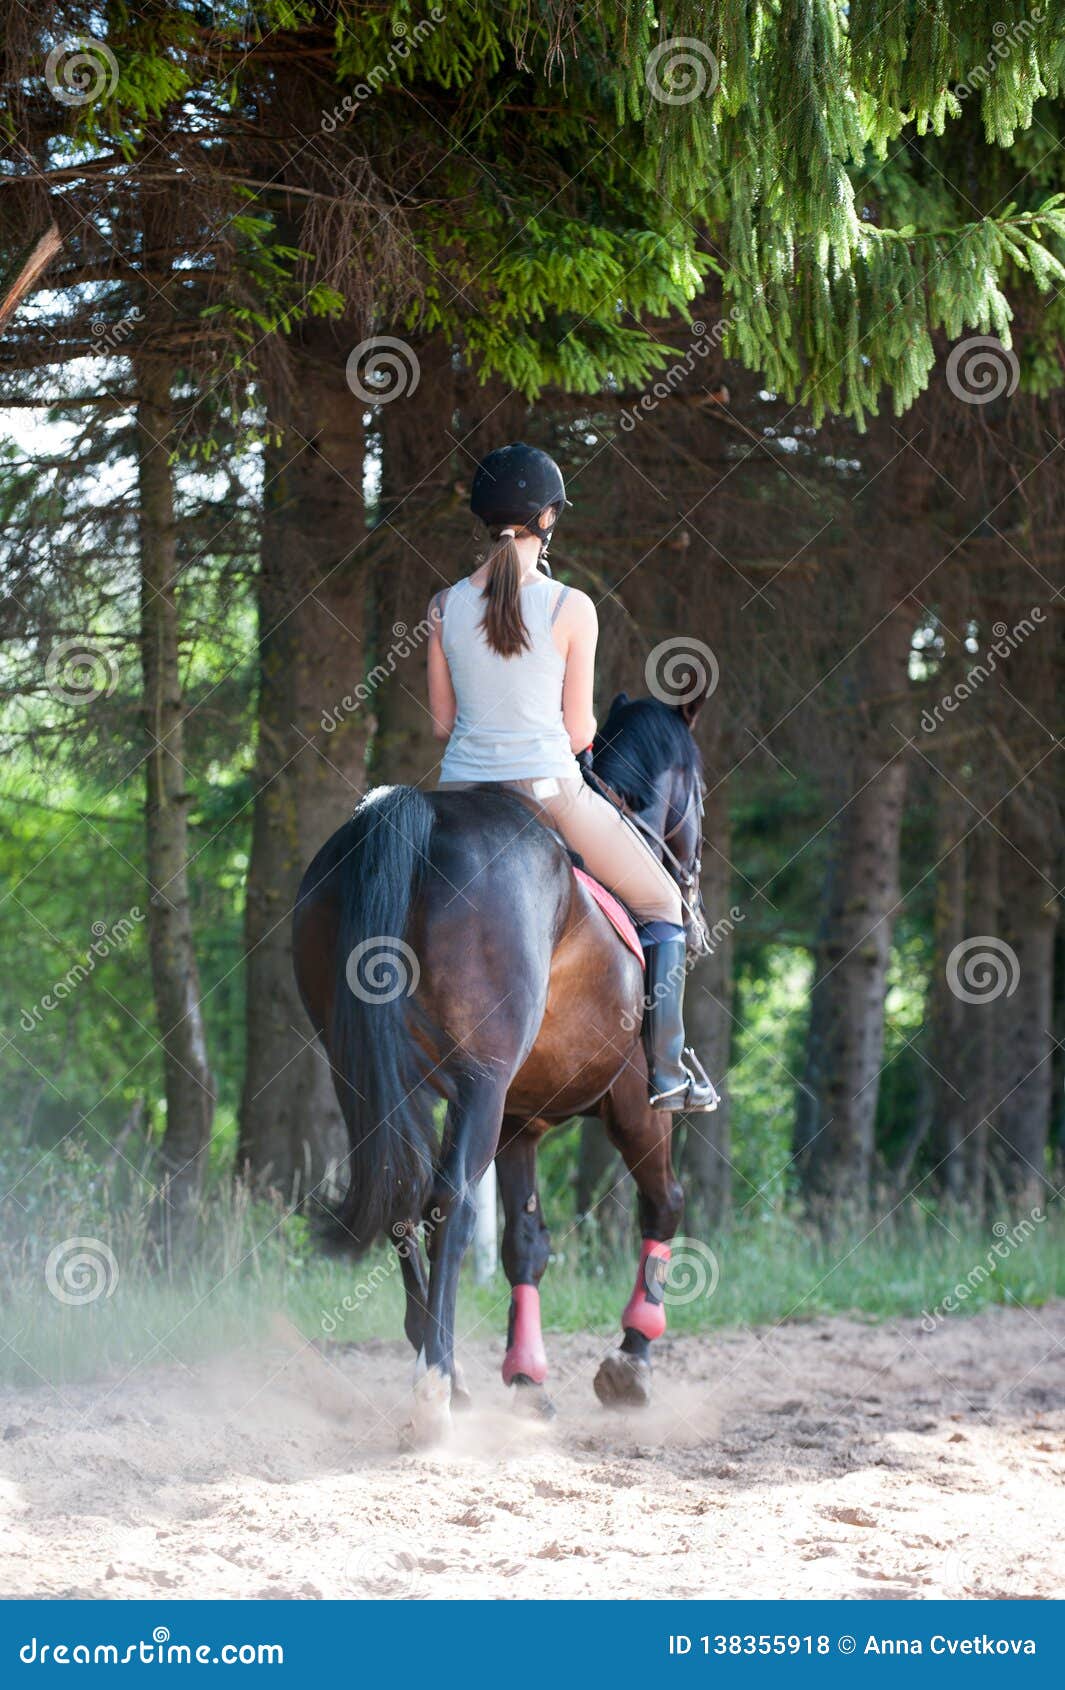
377,1060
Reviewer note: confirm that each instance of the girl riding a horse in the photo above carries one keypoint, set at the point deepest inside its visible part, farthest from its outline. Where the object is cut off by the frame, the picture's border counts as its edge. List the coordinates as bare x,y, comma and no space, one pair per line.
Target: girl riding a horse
511,669
445,949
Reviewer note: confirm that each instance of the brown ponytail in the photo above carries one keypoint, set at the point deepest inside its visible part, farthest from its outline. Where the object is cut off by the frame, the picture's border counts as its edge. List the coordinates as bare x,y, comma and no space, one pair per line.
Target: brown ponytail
503,624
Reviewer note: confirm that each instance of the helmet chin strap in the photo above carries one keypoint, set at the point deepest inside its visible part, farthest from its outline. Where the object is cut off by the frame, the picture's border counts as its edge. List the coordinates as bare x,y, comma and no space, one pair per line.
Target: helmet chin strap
544,537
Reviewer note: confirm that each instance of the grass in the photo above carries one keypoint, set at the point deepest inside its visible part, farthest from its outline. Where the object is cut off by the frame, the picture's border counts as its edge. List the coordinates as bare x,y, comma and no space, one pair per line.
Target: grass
254,1263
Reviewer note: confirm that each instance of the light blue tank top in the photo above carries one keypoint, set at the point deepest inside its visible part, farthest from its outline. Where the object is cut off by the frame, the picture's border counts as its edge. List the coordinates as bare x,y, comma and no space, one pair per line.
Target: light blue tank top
508,724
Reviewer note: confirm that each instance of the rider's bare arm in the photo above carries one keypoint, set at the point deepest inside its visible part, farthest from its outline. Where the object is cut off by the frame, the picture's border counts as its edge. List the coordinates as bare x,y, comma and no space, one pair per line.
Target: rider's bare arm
442,706
576,631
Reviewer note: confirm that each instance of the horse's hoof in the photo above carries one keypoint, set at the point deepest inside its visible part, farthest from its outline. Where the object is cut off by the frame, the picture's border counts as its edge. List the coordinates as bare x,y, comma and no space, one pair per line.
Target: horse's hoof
430,1422
531,1400
623,1381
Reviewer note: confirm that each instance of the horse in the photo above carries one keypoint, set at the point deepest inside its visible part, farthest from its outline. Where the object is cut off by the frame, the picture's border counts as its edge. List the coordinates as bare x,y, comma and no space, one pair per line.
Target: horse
445,949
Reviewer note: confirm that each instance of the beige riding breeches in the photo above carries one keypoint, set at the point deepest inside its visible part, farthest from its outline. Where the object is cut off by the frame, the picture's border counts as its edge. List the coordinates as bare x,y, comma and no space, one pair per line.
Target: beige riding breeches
611,850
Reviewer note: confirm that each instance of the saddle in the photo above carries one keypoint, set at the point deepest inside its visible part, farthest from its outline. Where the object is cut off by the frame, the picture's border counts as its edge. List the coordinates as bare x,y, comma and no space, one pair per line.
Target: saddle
615,912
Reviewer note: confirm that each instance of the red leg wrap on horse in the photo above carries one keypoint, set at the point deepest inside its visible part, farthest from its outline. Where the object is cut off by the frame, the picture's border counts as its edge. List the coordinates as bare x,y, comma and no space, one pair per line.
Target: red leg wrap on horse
525,1344
644,1311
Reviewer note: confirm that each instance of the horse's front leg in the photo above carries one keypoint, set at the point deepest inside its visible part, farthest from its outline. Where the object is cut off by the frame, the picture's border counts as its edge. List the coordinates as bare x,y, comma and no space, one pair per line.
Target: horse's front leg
644,1137
406,1236
470,1138
526,1247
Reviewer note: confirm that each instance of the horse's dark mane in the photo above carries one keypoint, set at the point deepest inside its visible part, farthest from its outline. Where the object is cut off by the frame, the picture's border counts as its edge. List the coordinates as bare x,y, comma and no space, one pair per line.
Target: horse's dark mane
640,739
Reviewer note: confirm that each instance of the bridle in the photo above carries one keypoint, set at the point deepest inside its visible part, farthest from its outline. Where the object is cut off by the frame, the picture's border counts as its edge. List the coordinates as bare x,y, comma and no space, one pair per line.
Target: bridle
687,875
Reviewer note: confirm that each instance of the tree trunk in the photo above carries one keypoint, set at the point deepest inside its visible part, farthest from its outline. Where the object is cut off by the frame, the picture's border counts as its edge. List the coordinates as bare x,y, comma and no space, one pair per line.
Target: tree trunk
417,534
311,756
1029,919
706,1163
952,1113
175,978
837,1104
982,1052
1057,1067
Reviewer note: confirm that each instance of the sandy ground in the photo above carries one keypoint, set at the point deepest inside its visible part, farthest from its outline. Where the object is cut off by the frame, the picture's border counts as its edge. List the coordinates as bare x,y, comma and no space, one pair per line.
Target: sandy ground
826,1459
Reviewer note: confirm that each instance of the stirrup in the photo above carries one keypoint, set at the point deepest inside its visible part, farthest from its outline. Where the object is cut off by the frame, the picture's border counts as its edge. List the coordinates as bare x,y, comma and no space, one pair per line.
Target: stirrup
694,1075
699,1075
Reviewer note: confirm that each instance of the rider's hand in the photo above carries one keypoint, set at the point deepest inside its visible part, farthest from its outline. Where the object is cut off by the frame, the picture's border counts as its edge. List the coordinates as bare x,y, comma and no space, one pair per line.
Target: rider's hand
584,758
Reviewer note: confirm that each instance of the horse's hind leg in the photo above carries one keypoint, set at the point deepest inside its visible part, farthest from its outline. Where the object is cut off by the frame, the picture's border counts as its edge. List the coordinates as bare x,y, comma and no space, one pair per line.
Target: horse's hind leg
526,1246
644,1137
470,1138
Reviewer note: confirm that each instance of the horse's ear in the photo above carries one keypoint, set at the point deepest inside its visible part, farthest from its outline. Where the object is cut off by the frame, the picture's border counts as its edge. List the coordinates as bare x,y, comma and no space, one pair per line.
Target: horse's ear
617,702
688,711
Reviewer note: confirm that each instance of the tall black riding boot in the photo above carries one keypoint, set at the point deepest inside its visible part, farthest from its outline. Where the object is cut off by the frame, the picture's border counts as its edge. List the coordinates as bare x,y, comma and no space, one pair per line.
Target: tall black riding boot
674,1084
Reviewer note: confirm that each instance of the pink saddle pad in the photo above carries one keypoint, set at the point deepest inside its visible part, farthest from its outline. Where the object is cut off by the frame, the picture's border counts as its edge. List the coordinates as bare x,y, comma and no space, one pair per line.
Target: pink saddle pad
617,915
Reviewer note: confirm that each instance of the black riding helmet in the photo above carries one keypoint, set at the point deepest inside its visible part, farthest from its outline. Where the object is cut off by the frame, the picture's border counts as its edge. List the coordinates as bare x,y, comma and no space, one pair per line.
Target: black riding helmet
513,485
